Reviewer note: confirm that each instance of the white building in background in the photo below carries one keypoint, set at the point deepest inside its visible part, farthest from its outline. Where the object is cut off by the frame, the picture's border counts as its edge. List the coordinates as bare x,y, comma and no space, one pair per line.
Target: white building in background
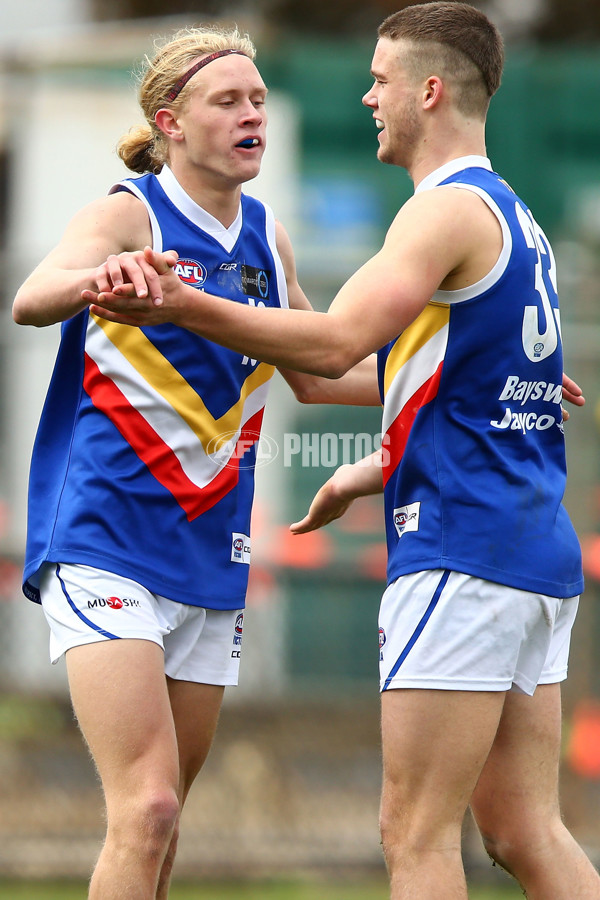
26,17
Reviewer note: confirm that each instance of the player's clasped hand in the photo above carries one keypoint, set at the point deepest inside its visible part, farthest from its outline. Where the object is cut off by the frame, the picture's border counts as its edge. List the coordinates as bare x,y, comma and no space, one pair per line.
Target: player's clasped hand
130,289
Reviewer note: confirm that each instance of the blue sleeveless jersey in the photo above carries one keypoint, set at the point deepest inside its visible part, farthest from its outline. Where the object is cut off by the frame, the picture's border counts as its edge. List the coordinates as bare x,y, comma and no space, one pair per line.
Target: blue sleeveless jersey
474,458
144,459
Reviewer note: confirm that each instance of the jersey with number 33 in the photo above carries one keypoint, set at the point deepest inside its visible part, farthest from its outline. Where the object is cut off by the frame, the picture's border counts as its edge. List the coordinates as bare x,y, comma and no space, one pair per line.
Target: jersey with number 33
473,441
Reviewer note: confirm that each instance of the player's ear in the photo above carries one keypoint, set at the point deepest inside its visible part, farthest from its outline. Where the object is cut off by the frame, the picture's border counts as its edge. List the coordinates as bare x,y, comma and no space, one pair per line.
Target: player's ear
169,124
434,88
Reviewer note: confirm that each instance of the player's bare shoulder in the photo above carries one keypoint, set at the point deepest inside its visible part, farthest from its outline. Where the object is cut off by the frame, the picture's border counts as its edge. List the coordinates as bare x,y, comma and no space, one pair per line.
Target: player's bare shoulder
462,228
115,223
284,245
125,217
288,261
477,231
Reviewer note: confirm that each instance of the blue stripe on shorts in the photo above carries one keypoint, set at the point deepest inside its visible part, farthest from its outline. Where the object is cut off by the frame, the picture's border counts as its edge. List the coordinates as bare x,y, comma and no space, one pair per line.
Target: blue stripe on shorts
415,635
102,631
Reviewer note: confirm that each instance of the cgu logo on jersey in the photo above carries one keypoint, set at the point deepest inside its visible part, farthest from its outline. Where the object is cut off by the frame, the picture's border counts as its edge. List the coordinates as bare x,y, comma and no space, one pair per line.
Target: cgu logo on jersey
112,602
191,272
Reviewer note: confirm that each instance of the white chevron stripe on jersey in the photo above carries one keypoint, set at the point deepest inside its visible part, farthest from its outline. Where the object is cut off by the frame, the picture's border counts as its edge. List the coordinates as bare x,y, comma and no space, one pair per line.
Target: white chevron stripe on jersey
412,374
199,465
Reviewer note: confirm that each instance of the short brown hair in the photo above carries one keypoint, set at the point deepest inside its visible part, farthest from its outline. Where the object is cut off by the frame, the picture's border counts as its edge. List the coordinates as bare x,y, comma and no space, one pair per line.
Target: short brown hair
458,39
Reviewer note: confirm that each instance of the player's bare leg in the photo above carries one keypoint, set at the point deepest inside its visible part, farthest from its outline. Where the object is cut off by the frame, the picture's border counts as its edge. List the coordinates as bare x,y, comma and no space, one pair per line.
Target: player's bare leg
516,802
435,744
195,712
120,697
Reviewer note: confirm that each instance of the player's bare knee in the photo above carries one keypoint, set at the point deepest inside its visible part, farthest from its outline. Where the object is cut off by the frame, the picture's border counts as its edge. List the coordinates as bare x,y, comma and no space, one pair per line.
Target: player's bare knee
503,851
154,818
389,826
403,839
162,807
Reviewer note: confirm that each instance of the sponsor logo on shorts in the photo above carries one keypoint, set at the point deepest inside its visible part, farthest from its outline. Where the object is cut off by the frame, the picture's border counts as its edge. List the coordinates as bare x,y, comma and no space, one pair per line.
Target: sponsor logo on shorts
382,640
113,603
406,518
240,548
238,628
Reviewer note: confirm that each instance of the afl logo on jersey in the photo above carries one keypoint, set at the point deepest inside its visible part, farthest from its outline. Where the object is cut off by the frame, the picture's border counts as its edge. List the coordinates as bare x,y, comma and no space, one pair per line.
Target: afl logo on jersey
191,272
406,518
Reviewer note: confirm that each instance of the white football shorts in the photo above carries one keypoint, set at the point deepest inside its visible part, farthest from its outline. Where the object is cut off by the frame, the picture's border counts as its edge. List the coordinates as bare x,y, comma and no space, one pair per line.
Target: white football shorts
84,605
448,631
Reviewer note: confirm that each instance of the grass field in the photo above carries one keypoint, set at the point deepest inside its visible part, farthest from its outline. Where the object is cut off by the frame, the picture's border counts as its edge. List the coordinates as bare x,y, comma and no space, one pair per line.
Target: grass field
369,890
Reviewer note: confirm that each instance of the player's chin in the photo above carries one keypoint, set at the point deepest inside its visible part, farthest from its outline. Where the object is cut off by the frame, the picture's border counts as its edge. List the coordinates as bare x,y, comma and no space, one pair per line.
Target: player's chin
251,169
385,155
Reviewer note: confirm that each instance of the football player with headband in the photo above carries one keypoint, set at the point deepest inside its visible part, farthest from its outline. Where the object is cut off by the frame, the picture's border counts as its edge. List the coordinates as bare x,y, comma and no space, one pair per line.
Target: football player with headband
142,474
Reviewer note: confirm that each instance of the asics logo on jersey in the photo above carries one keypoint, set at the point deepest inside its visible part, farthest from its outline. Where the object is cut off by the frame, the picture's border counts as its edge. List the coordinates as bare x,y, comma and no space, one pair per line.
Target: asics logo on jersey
112,602
191,272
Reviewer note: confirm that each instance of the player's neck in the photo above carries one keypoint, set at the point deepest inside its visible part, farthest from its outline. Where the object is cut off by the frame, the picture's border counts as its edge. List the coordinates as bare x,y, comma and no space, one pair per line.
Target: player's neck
221,199
433,155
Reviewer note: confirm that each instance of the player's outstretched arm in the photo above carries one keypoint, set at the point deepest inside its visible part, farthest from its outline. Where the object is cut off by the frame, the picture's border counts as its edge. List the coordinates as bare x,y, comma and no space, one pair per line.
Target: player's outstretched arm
375,305
336,495
53,291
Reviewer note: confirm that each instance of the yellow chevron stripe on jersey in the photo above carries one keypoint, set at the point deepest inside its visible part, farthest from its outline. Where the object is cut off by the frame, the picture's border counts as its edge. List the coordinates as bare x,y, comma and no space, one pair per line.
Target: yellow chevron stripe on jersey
158,372
434,317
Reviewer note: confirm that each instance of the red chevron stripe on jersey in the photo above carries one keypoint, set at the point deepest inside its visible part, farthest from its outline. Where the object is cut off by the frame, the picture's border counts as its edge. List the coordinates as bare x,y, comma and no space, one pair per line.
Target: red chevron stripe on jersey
157,455
397,434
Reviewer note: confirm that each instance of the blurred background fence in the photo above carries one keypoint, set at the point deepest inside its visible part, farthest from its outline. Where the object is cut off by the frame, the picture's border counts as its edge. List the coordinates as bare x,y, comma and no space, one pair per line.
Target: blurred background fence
292,782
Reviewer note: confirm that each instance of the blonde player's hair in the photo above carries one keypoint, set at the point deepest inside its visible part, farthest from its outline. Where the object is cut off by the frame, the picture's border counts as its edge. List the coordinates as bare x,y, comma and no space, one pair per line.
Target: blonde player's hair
144,148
